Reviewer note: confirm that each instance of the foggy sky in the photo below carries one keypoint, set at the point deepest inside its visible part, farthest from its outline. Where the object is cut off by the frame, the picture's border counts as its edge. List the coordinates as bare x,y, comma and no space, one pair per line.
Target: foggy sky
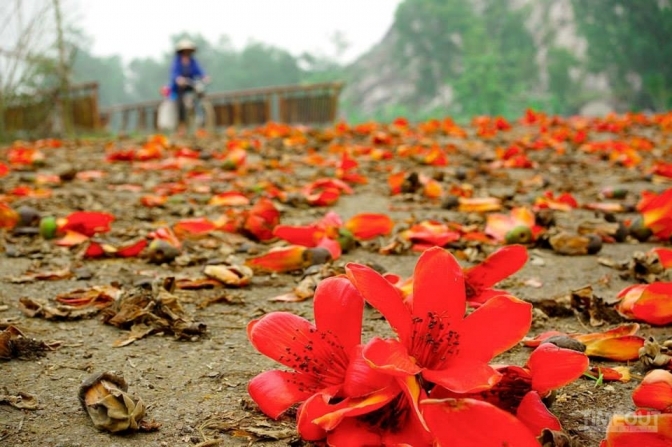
139,28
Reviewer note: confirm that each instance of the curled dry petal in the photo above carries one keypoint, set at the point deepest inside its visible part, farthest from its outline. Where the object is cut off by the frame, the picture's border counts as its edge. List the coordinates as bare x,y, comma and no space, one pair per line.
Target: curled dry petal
231,275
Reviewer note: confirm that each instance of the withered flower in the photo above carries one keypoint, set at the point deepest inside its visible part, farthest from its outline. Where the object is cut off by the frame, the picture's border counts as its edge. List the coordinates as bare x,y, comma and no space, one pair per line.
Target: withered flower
110,407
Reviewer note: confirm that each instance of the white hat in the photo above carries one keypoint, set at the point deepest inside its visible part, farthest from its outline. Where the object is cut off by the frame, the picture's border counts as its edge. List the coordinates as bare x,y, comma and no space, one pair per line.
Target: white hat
185,45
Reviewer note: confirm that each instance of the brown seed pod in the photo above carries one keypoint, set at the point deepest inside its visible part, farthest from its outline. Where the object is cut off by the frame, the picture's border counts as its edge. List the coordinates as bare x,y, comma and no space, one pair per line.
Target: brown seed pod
104,398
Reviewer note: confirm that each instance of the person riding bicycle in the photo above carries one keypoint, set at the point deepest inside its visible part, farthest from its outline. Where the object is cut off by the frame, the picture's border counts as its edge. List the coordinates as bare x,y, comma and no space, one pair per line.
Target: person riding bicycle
185,69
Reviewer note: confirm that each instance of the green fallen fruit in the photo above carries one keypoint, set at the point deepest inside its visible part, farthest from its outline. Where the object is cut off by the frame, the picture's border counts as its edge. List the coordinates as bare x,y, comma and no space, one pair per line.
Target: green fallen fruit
48,227
519,235
639,231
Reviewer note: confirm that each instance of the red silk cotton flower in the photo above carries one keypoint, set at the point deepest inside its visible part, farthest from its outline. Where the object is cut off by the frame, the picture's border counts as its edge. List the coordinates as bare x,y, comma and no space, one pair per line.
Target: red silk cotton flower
521,390
319,354
435,339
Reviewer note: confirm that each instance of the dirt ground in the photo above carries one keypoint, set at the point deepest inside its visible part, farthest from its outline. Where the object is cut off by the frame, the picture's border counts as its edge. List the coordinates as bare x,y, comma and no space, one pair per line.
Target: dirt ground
196,389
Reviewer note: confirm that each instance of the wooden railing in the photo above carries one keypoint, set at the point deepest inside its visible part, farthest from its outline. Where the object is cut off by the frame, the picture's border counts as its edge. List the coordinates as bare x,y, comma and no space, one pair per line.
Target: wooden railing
305,104
37,112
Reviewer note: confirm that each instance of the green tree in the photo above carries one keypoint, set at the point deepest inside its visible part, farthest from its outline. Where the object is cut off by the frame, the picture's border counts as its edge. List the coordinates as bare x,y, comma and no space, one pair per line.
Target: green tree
628,41
486,55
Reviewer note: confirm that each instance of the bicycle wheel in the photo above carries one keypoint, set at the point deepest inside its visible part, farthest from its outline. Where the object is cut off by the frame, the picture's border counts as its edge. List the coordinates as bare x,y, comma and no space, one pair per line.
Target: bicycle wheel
208,115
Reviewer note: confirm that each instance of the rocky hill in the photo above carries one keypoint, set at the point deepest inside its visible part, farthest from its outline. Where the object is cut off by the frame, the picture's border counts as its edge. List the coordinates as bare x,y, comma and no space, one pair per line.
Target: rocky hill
377,80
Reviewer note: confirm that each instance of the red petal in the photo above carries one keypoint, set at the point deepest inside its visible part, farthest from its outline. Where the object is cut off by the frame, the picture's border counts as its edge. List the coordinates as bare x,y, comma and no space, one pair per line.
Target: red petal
460,423
361,378
438,286
464,376
504,315
325,197
282,259
553,367
338,308
94,250
382,295
88,223
654,305
307,235
664,255
132,250
262,219
655,391
297,344
390,356
499,265
332,246
533,413
276,391
367,226
353,432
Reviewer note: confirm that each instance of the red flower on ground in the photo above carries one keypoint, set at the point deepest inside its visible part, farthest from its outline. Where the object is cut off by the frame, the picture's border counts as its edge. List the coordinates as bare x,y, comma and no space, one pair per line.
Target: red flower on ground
436,340
521,390
87,223
385,417
319,354
261,219
651,303
656,210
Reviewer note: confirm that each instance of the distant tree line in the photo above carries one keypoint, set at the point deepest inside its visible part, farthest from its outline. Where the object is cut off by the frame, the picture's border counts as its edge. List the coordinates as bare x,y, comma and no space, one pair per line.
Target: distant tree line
255,65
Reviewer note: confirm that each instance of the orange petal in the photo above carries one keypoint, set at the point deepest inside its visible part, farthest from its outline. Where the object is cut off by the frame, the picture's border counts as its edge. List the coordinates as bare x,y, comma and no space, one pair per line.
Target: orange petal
621,349
8,217
281,259
367,226
479,204
71,239
622,330
229,198
395,181
432,189
193,227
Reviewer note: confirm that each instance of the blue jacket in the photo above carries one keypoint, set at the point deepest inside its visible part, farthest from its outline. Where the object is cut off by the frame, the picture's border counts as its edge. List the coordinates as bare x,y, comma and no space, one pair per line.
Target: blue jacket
191,71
